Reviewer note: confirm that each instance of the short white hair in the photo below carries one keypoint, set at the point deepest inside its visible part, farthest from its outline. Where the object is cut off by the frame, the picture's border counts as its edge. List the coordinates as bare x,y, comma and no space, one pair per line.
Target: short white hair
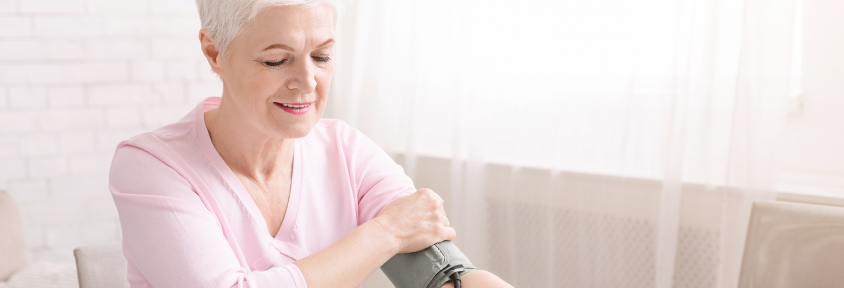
225,19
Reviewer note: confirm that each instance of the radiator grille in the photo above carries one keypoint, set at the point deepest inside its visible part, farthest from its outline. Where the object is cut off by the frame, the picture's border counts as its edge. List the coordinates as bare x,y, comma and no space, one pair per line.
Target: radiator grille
537,246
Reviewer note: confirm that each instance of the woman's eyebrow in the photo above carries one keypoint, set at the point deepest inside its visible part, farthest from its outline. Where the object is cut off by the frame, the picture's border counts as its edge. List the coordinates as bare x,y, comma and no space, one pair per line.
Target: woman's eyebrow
279,46
329,41
288,48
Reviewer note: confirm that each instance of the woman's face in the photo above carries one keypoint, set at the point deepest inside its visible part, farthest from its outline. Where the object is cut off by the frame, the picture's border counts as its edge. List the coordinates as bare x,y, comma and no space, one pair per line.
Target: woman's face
277,72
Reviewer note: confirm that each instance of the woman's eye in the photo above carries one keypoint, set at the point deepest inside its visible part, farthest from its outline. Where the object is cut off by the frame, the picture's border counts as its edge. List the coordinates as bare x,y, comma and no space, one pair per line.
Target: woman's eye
322,58
274,64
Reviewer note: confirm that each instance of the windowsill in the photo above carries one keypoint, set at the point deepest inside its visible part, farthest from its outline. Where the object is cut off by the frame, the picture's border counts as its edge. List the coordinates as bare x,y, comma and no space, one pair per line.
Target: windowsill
811,188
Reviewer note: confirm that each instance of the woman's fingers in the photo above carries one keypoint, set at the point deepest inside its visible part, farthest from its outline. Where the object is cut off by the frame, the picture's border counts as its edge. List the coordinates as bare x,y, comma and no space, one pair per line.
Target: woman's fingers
417,220
448,234
442,219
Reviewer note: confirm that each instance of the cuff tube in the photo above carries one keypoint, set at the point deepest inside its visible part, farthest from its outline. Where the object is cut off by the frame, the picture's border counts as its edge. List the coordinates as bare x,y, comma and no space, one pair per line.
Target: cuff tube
428,268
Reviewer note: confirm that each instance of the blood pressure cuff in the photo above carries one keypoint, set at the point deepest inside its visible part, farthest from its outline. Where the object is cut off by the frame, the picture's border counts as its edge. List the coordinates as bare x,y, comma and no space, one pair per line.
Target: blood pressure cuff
428,268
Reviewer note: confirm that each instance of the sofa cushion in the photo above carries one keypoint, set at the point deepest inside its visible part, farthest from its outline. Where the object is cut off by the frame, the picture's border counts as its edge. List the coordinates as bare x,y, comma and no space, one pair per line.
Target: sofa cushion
44,275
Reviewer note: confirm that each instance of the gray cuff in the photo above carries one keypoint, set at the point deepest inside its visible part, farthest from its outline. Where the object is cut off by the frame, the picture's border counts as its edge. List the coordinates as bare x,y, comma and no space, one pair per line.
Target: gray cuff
428,268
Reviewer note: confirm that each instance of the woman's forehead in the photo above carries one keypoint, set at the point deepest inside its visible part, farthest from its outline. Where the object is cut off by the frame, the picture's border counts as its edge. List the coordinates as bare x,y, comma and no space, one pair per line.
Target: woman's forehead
295,18
299,25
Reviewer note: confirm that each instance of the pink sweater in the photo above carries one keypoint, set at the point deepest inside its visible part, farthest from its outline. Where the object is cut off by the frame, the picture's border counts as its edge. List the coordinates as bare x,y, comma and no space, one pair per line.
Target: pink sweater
188,222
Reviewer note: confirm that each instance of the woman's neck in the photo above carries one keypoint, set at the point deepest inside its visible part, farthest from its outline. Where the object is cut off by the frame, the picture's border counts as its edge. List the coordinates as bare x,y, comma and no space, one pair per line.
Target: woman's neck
245,147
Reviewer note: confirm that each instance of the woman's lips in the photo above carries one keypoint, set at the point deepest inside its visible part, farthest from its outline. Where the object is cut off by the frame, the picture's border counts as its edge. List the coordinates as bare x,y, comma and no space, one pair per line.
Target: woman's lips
295,108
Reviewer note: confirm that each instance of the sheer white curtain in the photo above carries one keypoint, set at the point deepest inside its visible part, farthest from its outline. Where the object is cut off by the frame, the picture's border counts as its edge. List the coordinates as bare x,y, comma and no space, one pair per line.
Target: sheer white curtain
606,143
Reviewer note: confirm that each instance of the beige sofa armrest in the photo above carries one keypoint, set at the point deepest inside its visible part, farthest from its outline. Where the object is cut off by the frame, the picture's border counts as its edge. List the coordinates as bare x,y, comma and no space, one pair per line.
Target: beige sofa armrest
13,254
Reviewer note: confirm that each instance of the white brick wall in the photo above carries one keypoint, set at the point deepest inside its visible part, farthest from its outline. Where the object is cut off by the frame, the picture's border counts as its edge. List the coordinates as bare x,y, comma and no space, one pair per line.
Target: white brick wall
12,25
51,6
76,78
8,6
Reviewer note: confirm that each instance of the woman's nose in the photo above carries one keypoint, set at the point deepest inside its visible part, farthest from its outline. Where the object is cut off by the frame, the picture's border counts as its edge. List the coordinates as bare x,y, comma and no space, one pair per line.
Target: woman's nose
303,78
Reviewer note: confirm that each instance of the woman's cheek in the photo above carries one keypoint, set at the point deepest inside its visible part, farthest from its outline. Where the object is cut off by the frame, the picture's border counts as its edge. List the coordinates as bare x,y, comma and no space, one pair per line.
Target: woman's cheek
261,84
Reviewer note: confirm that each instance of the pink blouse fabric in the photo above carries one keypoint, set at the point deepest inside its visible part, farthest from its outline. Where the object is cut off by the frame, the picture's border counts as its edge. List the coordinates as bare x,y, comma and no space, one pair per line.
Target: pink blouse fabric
188,222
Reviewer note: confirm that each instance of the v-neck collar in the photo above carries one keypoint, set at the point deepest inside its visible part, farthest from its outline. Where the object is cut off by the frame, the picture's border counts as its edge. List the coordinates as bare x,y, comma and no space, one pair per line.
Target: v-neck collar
285,232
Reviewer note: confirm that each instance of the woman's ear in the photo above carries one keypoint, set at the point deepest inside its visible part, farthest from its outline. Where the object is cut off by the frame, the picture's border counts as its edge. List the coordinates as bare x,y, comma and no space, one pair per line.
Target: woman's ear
210,50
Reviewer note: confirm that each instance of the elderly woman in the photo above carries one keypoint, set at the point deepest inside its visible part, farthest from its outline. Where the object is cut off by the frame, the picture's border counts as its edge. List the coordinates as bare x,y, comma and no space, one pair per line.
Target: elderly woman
253,189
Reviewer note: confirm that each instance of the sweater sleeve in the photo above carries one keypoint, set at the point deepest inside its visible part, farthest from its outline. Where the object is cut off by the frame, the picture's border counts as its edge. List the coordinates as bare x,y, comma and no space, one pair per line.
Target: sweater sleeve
170,237
380,181
378,178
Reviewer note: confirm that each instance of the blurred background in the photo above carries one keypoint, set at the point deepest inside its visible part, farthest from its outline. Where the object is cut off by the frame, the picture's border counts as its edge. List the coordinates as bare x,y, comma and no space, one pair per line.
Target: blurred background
607,143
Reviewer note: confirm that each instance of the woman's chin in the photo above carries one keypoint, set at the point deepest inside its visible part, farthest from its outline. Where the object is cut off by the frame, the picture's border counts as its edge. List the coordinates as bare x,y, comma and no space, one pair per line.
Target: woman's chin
294,129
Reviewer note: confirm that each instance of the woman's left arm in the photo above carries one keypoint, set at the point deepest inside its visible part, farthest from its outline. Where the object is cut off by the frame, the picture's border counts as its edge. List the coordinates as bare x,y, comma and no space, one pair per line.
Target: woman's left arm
381,181
408,224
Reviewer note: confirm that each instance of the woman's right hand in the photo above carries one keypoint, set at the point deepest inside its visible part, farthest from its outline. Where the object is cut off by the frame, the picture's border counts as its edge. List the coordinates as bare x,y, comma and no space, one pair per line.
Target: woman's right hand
416,221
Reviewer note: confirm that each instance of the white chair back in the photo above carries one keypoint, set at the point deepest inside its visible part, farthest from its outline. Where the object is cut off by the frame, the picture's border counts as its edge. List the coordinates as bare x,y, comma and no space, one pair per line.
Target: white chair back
793,245
101,267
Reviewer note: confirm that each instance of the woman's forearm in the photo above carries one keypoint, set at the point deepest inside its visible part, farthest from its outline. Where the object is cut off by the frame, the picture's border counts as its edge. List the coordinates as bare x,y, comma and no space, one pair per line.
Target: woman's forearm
409,223
350,260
